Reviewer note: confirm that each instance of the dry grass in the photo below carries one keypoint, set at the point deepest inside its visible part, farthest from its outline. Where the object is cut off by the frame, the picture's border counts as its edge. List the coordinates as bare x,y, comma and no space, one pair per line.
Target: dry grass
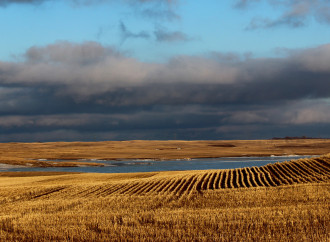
280,202
28,153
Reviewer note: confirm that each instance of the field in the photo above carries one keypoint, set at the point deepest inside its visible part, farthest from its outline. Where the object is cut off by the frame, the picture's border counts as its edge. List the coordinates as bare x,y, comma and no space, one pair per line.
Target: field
34,154
286,201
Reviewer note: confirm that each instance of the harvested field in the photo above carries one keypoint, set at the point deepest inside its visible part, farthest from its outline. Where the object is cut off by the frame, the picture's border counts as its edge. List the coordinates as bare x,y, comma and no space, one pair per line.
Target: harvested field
41,154
278,202
182,183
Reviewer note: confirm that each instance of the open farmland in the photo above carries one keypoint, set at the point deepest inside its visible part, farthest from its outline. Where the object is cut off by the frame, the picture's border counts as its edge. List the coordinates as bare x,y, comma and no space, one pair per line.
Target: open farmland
35,154
278,202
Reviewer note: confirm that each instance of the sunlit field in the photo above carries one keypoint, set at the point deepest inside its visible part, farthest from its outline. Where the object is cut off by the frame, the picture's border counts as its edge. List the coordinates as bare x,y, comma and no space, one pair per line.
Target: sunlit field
72,153
165,120
286,201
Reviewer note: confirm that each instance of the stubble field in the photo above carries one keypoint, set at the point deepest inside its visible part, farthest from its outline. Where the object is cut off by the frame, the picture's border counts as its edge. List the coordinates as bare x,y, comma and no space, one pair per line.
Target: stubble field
278,202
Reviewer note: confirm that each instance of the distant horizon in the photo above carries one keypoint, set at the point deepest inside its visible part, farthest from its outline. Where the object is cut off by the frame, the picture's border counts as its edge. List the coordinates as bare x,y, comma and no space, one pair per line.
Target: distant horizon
86,141
162,70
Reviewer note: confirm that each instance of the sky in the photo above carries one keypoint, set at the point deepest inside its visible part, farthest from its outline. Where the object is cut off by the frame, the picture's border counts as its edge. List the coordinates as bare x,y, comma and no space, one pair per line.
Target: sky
93,70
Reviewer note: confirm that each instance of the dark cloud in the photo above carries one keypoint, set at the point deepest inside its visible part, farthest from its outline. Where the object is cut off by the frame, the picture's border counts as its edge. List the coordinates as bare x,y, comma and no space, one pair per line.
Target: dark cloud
323,14
127,34
160,14
82,2
232,57
88,91
8,2
264,23
295,13
160,10
241,4
164,35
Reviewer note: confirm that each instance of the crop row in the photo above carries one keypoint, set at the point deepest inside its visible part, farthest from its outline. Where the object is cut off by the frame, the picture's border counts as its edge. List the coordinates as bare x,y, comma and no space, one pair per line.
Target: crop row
271,175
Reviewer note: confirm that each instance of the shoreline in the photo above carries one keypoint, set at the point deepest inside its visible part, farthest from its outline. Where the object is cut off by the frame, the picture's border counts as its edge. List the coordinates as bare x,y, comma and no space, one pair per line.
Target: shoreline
175,165
73,154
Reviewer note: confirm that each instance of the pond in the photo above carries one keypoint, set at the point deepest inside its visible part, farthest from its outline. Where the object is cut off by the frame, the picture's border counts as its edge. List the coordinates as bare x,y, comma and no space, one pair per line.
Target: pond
129,166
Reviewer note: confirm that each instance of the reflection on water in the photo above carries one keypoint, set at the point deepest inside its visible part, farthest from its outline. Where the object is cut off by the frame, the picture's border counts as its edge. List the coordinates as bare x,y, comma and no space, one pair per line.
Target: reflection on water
128,166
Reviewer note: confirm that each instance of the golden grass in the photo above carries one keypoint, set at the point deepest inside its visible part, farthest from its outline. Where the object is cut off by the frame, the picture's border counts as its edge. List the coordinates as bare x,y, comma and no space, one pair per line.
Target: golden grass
29,153
280,202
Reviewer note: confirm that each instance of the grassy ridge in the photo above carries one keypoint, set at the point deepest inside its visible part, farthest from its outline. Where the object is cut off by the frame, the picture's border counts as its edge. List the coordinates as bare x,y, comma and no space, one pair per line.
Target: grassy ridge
277,202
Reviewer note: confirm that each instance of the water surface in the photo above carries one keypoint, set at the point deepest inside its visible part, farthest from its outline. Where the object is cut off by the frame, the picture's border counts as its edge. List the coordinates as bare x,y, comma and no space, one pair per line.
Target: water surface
129,166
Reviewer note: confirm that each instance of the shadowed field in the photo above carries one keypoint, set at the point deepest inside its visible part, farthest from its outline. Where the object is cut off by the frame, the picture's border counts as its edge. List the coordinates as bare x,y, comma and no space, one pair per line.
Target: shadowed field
31,153
286,201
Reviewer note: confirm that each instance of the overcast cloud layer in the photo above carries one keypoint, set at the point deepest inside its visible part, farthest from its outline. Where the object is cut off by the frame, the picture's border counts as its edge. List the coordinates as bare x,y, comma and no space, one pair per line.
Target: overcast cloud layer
87,91
76,90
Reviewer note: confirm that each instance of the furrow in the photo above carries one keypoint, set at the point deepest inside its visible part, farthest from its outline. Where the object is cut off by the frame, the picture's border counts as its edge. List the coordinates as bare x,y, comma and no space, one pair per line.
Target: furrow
120,188
262,177
173,186
315,166
159,183
142,189
138,188
323,163
241,178
210,185
312,166
288,173
299,172
148,189
130,188
309,171
168,185
165,183
104,189
222,181
282,175
206,181
277,173
227,181
89,191
256,177
193,182
252,178
48,192
246,178
108,191
235,179
322,166
126,188
193,186
294,175
275,177
217,180
268,176
200,182
230,179
184,187
179,186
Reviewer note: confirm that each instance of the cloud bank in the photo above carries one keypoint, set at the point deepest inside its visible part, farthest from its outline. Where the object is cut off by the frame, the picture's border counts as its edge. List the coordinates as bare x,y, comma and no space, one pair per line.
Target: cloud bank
87,91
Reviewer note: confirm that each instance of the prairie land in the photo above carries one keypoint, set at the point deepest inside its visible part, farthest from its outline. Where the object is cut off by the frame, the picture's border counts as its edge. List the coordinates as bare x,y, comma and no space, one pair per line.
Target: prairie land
34,154
286,201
